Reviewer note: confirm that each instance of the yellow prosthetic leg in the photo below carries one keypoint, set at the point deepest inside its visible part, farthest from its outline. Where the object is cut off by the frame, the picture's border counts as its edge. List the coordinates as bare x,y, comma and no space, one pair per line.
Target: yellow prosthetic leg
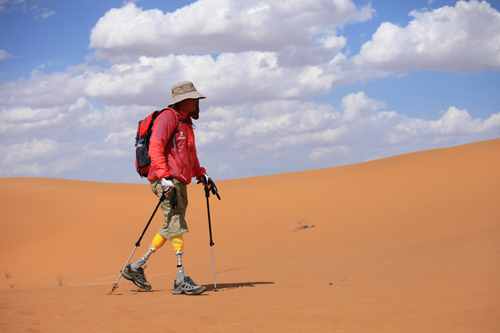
158,242
178,244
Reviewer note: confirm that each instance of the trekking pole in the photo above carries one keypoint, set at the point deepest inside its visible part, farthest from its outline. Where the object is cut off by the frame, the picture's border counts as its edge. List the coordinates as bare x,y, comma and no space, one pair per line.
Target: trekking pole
138,243
207,195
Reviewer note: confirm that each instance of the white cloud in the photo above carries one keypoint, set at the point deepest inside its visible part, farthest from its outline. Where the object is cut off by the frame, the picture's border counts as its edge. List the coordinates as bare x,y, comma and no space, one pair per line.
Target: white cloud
255,116
36,158
44,13
117,145
4,54
44,90
64,164
224,168
327,152
300,135
28,151
112,153
228,79
461,39
26,122
232,140
16,5
359,105
51,141
254,76
454,122
11,3
218,26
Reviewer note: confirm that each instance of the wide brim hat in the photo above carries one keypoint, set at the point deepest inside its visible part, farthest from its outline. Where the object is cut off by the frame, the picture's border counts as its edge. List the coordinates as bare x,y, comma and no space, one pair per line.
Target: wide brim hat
184,90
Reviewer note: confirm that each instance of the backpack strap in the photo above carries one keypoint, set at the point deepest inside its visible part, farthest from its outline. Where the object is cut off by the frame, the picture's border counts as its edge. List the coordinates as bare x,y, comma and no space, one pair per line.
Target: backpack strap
179,120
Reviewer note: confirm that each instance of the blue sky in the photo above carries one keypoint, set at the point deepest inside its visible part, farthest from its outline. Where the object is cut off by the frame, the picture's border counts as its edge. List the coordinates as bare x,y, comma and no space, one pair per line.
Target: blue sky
290,86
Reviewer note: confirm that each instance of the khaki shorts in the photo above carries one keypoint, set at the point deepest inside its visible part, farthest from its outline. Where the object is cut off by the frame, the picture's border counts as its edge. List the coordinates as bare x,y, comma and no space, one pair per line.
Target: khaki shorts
175,222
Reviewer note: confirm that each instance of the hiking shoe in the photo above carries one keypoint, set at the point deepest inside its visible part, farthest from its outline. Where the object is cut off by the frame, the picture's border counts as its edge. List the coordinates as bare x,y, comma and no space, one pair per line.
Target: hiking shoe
187,287
137,277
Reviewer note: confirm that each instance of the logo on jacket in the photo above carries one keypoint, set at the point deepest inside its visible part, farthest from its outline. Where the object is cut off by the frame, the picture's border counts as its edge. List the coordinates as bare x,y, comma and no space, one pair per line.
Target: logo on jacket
181,136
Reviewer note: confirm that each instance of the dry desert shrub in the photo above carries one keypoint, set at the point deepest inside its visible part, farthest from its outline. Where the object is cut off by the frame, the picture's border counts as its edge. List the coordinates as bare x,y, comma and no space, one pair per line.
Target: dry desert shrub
60,280
302,224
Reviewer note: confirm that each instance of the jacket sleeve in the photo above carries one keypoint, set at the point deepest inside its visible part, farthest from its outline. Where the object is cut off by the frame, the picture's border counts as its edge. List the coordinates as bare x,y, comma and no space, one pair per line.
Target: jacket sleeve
163,129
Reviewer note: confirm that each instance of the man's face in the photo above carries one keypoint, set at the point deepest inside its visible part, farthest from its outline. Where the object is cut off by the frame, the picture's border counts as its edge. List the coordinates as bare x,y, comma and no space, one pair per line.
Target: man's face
189,105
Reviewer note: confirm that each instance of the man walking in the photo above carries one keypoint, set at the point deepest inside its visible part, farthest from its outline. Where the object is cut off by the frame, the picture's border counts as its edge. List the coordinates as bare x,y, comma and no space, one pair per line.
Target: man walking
174,162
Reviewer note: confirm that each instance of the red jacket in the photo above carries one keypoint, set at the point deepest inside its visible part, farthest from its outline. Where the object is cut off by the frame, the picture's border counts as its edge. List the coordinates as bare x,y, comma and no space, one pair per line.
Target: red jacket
175,158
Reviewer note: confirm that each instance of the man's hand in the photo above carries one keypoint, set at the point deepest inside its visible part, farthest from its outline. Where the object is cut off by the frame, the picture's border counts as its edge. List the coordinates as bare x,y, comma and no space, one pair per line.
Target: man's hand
209,184
167,184
205,179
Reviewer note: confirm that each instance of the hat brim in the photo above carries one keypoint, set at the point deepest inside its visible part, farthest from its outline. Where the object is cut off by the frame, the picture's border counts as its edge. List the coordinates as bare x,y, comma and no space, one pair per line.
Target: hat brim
181,97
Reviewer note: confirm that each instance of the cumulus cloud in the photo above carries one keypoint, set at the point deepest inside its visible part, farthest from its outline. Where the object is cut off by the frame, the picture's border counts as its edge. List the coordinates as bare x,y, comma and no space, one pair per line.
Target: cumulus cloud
29,151
305,28
232,140
57,140
454,122
227,79
69,121
231,78
43,157
460,39
301,135
43,90
359,105
297,59
31,122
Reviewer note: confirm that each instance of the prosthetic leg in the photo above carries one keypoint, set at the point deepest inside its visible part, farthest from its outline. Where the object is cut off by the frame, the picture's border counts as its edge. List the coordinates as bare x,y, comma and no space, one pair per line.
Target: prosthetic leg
178,244
157,243
183,284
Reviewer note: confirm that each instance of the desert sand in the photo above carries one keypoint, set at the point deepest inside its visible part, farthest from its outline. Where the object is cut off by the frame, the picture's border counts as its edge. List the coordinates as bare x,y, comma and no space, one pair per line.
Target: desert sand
409,243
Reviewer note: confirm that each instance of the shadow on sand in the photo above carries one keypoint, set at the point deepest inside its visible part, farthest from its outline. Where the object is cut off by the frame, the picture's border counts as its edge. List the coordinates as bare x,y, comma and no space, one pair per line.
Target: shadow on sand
226,286
209,287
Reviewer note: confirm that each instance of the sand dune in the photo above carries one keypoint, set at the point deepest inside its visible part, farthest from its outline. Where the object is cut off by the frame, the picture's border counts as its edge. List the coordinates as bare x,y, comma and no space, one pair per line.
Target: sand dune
409,243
